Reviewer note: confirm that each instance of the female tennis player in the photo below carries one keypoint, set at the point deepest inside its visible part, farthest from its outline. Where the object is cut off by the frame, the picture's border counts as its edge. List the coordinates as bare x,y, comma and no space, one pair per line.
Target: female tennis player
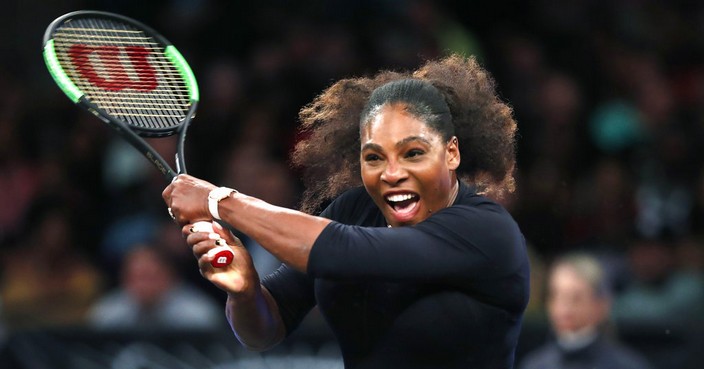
412,264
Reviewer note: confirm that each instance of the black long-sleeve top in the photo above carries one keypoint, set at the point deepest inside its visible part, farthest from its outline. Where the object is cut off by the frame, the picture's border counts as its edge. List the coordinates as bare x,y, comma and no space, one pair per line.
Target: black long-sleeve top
448,292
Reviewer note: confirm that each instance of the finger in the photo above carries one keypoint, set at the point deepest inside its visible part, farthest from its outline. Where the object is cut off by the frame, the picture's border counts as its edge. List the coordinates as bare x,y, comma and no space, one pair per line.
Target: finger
204,266
222,255
196,227
202,226
218,228
198,237
231,239
213,257
166,194
207,240
202,248
207,251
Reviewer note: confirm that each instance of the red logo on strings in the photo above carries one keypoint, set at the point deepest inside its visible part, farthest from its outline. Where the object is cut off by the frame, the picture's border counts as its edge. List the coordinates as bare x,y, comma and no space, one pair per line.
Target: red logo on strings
114,76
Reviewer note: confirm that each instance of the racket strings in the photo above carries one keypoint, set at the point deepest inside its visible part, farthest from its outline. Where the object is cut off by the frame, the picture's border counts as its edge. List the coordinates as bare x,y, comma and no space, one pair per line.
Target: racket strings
123,71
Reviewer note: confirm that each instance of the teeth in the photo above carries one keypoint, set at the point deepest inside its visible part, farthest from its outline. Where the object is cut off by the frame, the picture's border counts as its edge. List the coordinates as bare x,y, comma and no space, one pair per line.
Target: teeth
399,197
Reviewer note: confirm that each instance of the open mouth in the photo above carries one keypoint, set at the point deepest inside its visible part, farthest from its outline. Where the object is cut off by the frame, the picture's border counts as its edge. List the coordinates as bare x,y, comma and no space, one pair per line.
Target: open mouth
403,204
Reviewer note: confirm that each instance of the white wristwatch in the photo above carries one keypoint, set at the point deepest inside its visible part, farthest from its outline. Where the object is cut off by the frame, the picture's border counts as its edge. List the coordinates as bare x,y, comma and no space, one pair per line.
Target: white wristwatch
214,198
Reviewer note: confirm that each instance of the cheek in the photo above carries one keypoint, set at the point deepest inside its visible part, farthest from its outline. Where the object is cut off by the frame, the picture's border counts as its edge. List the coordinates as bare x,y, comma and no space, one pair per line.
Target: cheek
371,183
369,177
436,181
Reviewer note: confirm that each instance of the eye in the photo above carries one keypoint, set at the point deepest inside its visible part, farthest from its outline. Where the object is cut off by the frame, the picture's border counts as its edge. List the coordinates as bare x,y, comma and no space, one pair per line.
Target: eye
371,157
413,153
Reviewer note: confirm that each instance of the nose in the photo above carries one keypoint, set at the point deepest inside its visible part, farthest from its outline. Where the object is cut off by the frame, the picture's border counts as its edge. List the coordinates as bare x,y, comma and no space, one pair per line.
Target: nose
393,173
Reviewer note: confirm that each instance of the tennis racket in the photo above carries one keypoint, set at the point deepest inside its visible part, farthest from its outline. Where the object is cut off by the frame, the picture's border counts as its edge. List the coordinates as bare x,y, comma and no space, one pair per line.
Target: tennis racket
130,77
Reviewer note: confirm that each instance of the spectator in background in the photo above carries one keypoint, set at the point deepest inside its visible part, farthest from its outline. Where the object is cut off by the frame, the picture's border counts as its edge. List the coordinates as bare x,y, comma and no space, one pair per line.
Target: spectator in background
151,296
579,301
659,293
661,308
602,207
46,280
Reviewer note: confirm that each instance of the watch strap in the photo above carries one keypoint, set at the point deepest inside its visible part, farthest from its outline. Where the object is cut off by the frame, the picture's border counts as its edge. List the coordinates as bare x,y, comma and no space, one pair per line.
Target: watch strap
214,198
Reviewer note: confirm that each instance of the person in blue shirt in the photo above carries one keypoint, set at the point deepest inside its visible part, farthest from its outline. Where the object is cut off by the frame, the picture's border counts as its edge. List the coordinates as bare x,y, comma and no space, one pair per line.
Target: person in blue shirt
413,263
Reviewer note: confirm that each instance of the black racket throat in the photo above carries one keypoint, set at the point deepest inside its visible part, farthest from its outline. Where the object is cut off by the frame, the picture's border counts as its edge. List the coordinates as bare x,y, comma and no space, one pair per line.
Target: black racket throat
136,138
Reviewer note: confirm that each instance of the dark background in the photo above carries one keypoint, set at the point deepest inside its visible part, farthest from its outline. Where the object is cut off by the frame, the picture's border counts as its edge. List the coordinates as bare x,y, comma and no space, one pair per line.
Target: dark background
607,94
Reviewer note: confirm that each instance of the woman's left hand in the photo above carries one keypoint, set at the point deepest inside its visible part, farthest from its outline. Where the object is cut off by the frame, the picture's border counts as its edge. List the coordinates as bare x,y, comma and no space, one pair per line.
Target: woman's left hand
187,199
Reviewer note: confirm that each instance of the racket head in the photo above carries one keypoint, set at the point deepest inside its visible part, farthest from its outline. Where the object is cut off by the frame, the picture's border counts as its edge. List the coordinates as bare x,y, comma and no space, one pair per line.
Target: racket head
121,70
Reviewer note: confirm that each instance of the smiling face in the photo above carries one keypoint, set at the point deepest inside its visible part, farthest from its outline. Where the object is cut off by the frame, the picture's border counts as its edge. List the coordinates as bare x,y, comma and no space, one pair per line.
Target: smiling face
407,167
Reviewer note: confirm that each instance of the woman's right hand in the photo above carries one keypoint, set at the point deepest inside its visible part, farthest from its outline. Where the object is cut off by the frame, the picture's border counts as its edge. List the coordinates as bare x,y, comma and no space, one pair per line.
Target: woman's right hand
251,311
237,278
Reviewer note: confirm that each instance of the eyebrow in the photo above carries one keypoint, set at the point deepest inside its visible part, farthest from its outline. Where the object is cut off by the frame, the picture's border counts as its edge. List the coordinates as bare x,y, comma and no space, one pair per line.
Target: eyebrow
405,141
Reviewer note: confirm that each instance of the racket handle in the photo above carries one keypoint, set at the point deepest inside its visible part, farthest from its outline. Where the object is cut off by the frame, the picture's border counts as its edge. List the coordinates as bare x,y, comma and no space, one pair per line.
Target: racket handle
222,256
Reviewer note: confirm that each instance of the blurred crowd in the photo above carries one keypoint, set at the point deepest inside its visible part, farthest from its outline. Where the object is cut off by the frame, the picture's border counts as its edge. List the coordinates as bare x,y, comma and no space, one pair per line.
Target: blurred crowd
608,96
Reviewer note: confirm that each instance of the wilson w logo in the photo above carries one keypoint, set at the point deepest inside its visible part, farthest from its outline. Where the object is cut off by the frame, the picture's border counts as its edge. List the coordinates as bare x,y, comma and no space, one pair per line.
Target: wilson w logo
111,73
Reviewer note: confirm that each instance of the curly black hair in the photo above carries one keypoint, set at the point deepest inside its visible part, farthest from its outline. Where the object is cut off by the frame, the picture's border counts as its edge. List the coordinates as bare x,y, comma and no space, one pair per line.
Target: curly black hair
328,155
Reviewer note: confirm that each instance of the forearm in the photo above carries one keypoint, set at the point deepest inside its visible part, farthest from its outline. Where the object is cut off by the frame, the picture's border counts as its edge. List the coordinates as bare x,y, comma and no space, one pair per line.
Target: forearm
255,320
287,234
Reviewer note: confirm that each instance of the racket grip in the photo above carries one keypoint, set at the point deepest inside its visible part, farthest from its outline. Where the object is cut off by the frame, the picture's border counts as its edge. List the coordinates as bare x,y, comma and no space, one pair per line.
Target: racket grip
222,256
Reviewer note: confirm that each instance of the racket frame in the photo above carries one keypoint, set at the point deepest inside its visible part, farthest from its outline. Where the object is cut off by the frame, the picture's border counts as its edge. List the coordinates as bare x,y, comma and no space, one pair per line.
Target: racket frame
132,134
221,255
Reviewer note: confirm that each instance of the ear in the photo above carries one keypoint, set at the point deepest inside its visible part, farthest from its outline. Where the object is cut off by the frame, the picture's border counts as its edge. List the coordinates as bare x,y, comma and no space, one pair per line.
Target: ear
452,154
